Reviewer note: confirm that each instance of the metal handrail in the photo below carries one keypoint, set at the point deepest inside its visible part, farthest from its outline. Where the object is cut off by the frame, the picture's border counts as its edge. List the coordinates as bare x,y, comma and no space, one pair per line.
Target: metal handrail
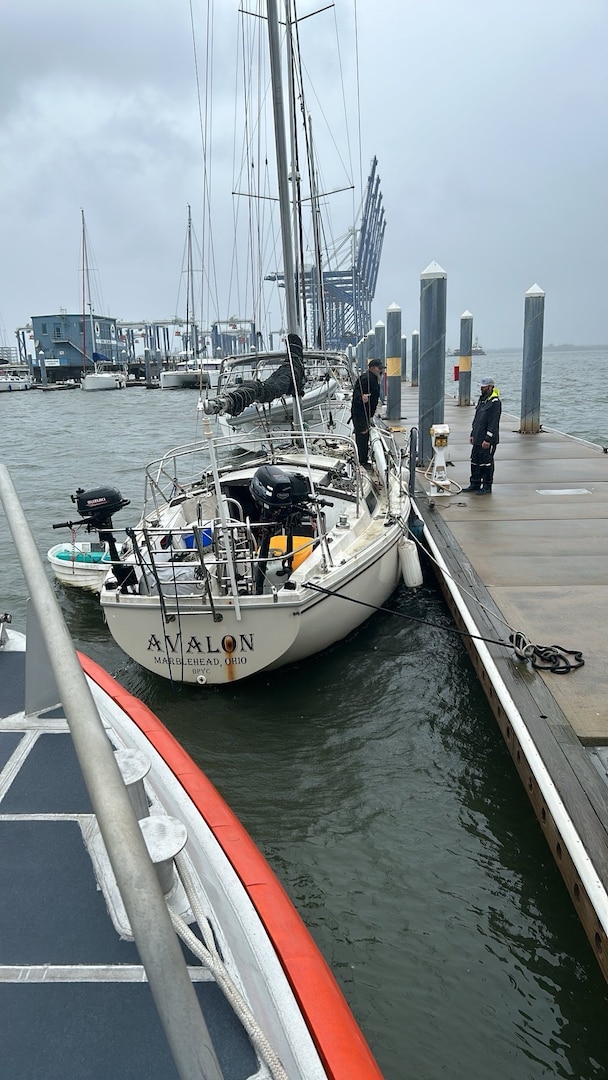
154,936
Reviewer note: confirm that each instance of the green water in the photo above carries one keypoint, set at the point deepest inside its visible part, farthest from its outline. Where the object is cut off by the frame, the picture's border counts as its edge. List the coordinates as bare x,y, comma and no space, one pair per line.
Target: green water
373,778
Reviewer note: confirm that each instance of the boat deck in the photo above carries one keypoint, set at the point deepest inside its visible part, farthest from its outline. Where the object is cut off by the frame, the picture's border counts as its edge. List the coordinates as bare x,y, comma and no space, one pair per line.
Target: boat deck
533,557
60,954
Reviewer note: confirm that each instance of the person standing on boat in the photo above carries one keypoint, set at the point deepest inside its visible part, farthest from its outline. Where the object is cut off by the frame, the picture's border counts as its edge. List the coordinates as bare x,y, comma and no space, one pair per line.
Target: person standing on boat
484,438
366,394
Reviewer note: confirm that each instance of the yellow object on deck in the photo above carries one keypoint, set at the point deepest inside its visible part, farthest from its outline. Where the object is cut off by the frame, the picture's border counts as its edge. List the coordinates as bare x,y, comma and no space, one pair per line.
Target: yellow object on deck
302,547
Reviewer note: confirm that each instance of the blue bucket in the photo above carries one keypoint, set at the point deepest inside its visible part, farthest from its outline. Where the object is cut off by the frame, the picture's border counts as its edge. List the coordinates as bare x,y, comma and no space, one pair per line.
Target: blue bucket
206,535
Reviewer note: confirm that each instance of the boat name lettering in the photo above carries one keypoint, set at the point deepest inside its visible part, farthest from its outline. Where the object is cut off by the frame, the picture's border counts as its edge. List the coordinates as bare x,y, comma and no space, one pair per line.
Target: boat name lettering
229,645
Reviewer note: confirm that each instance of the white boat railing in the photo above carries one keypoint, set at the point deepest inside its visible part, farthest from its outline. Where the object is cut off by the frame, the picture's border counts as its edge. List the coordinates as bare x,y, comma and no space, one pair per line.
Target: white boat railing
183,467
54,674
196,560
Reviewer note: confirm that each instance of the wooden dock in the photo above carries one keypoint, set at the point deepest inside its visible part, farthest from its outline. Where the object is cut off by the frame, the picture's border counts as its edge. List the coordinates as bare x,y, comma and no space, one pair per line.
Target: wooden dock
532,557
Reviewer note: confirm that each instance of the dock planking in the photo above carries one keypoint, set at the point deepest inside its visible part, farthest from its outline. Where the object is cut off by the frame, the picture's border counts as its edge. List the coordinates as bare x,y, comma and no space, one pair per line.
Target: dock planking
533,557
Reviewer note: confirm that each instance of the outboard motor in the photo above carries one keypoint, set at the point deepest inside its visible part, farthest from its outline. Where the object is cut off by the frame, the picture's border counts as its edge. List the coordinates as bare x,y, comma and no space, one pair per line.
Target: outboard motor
99,505
277,492
96,508
284,501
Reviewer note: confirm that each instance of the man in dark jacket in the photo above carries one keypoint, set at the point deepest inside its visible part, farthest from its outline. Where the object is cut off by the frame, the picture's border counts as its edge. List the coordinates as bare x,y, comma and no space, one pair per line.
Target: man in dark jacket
484,438
366,393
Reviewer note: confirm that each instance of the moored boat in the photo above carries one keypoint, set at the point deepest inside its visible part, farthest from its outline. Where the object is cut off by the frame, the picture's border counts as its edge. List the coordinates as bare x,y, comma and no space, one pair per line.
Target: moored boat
104,376
239,565
244,404
243,565
115,845
15,377
187,375
81,564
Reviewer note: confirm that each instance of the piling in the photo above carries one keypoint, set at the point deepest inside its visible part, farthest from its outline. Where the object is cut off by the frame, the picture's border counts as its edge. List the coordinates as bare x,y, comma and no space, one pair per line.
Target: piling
532,368
370,350
464,360
393,362
433,294
361,354
43,374
415,356
403,358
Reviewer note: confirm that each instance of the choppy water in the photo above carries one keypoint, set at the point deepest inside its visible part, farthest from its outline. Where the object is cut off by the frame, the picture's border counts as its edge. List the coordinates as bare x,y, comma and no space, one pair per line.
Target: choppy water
373,778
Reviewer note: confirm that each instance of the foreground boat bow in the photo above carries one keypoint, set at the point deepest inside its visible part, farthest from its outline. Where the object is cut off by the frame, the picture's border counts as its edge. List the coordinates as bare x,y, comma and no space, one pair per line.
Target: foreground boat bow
246,995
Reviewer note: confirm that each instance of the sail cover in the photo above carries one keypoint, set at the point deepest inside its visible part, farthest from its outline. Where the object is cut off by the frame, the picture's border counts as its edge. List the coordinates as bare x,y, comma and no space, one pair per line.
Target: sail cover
288,379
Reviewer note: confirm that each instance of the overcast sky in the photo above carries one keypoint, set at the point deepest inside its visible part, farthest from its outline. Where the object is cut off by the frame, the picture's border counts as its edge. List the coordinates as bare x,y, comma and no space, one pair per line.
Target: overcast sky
488,119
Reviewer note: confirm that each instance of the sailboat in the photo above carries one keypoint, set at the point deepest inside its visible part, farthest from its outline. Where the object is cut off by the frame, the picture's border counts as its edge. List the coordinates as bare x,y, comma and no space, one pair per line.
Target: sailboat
188,373
105,375
142,933
253,390
255,394
244,564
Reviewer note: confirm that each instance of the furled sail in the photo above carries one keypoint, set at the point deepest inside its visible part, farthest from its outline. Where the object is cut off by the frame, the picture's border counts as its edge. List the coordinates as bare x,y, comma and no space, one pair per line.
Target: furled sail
288,379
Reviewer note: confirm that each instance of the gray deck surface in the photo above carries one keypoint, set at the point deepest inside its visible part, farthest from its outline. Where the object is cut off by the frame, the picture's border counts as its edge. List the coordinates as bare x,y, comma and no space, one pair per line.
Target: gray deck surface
539,543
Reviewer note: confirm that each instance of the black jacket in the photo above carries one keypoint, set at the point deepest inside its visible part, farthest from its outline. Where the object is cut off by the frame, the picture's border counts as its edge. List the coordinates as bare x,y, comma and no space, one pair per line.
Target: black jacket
361,411
486,421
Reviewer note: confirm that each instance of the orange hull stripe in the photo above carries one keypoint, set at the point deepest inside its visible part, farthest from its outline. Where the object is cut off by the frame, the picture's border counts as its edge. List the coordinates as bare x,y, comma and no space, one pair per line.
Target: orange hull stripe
334,1030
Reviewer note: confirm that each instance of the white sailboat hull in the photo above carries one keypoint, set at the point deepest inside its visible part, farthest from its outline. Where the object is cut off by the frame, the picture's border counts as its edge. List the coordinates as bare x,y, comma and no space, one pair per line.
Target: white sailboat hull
184,380
195,648
103,380
212,600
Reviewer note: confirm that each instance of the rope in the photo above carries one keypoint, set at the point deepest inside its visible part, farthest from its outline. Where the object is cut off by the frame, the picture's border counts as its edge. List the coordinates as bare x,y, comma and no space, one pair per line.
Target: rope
207,953
552,658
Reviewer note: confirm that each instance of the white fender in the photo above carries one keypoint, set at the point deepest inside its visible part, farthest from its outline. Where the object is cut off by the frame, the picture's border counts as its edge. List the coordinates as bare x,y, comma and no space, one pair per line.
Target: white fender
411,569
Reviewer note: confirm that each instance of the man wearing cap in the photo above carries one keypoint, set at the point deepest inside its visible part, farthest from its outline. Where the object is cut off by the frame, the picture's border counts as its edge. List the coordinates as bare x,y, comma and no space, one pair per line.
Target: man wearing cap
484,438
366,393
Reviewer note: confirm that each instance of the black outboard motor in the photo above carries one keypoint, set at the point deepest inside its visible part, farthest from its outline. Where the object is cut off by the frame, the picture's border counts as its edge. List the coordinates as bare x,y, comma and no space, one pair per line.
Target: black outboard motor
99,505
276,491
284,499
96,508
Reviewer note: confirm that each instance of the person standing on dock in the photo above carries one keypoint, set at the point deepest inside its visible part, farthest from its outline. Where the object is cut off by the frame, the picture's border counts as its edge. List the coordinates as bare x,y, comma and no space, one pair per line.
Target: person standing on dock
484,438
366,394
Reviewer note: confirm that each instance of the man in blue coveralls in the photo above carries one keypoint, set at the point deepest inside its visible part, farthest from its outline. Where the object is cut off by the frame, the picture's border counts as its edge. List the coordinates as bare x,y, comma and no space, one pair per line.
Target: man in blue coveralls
484,438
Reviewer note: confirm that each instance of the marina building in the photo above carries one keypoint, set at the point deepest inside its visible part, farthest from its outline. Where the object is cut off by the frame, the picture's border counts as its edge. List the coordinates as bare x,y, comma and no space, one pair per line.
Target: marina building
66,345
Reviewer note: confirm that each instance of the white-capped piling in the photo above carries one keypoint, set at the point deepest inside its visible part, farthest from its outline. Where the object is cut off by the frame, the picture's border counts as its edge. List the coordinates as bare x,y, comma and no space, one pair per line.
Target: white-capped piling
393,362
532,368
433,294
361,354
370,342
464,360
43,374
380,337
415,356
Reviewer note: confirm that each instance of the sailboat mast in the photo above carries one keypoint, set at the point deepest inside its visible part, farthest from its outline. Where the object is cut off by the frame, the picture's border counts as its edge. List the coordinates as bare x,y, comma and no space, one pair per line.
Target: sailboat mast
190,317
316,215
84,297
291,305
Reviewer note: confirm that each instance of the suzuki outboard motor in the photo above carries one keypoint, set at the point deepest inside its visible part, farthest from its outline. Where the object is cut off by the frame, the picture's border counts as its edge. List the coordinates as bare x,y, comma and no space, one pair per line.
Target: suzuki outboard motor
275,490
99,505
96,508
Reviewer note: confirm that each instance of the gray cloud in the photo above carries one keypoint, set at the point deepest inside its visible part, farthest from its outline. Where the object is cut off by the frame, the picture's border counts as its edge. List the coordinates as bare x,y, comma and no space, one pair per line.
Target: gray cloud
488,121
